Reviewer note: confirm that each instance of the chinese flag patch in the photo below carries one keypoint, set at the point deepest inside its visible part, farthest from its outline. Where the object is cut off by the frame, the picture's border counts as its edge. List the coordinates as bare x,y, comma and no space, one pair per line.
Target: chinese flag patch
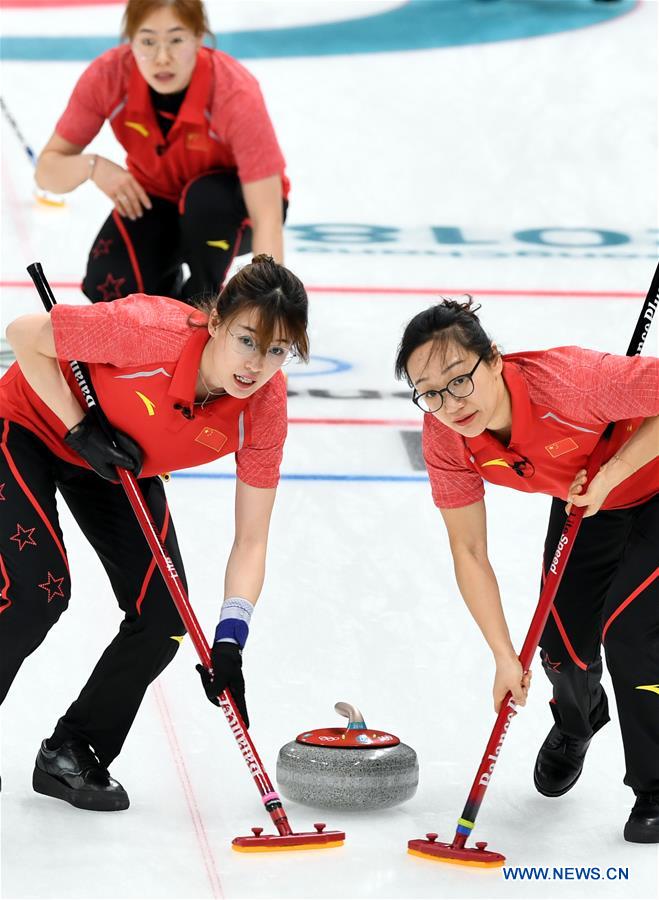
195,140
567,445
211,437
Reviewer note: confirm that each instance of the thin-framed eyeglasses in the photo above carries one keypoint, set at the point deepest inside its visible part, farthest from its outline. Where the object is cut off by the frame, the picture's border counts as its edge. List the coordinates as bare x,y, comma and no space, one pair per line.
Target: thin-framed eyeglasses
275,356
459,387
146,47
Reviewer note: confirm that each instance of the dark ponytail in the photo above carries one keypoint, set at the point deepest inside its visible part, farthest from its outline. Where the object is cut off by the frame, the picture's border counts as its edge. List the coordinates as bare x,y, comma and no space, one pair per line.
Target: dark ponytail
276,294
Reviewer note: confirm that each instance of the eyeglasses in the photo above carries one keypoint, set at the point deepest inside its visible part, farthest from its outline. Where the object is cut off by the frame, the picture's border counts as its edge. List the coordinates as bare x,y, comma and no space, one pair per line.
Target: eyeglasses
275,356
459,387
147,48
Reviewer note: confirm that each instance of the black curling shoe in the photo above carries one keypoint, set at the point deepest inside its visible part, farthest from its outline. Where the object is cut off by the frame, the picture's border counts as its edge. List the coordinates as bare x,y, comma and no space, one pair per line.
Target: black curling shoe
643,823
559,763
73,773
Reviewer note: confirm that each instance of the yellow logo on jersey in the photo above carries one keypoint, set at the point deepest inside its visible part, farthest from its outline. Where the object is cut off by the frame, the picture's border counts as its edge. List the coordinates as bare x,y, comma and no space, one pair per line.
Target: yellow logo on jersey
223,245
139,128
496,462
150,405
648,687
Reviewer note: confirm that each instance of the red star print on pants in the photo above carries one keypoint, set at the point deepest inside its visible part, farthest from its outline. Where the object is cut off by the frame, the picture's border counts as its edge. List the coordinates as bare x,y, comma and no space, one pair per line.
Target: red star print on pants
102,247
53,586
111,287
2,490
552,665
23,537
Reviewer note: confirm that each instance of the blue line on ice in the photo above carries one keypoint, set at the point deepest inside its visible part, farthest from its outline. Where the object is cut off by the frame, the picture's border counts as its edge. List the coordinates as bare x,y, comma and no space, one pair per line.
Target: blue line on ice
416,25
315,476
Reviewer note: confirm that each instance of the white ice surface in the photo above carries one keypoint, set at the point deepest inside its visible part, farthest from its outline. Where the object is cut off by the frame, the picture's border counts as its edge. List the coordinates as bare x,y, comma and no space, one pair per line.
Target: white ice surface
360,602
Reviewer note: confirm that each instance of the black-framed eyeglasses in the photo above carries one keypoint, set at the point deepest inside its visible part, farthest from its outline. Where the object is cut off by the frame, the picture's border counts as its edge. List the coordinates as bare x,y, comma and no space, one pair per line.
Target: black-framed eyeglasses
459,387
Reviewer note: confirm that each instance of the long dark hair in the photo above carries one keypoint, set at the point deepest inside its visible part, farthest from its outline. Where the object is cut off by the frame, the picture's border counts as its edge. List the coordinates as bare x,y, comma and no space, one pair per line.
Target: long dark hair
276,293
447,322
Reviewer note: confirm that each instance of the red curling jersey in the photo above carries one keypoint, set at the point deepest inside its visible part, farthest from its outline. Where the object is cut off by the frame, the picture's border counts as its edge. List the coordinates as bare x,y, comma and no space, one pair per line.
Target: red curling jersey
222,123
143,358
562,400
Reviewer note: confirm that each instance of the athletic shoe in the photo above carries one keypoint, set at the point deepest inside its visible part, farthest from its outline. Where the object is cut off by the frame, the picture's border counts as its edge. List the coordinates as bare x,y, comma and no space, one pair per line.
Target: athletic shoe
643,823
559,763
74,774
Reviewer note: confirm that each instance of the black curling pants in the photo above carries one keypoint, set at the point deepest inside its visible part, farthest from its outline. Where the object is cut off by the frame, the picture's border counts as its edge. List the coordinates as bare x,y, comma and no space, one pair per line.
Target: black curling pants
205,229
609,597
35,583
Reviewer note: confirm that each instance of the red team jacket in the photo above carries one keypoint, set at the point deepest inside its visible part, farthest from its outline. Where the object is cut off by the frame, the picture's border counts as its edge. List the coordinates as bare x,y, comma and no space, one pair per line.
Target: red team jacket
562,400
222,123
143,357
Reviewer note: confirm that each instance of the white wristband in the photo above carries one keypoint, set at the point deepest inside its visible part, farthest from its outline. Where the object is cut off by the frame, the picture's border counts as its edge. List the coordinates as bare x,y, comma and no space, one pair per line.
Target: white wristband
235,617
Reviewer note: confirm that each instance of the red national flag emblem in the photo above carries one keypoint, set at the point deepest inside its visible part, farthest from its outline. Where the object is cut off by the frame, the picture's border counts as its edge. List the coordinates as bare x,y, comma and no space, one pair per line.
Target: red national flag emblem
558,448
211,437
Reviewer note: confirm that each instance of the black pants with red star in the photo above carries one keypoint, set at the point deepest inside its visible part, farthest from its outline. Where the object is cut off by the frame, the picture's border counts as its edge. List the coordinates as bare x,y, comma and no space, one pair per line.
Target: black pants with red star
205,229
35,583
609,597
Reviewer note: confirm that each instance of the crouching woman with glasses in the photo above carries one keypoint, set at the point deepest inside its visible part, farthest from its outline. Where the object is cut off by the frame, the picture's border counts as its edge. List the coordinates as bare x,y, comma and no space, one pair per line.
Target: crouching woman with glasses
204,178
181,389
529,421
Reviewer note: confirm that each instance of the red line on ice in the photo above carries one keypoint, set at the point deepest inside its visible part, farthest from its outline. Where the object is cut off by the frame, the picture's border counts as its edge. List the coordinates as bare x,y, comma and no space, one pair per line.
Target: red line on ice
398,291
406,423
188,790
489,292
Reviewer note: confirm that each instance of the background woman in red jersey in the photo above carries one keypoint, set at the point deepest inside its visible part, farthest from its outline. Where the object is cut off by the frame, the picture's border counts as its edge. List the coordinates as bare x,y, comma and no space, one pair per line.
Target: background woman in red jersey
529,421
181,389
204,177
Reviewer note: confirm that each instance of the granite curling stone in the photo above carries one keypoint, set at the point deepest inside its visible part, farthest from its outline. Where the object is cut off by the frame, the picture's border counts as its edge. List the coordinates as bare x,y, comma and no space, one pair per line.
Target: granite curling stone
352,768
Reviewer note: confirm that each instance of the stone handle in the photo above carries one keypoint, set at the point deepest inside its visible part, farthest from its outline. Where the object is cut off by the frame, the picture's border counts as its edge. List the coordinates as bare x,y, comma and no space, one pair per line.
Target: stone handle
351,713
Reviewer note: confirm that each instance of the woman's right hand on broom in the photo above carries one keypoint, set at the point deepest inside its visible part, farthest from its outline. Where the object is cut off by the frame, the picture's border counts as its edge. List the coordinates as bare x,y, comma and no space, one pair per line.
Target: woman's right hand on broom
226,673
89,440
510,677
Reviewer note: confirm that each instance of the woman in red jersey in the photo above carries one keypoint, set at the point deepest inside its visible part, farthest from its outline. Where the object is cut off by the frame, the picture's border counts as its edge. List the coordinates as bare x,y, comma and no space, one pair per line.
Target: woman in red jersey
529,421
204,176
180,389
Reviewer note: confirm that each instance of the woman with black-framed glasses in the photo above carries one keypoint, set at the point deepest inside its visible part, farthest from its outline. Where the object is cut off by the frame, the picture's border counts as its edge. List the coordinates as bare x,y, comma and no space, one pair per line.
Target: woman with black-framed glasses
529,421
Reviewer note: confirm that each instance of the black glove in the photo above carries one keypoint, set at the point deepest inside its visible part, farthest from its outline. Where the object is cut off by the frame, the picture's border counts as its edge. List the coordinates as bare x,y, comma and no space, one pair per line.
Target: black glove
227,663
89,440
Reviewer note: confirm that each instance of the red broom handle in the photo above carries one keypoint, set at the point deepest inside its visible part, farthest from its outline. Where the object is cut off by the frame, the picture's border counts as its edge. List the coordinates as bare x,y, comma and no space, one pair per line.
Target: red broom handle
182,603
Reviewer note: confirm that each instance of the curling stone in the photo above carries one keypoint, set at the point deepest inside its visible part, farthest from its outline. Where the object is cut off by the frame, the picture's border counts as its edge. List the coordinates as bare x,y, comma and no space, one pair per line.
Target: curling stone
347,768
